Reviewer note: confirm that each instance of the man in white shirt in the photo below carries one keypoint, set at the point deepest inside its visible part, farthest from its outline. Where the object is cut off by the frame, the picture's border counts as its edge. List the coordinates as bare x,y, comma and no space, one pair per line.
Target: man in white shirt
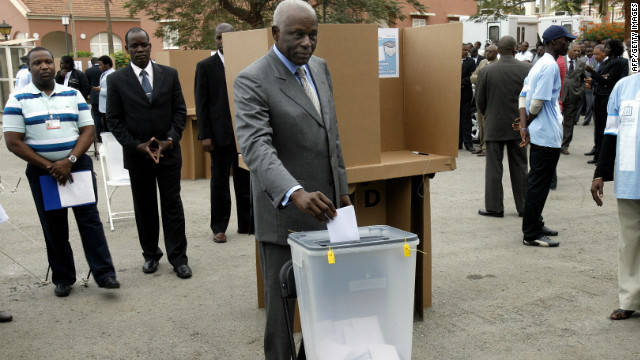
23,77
524,54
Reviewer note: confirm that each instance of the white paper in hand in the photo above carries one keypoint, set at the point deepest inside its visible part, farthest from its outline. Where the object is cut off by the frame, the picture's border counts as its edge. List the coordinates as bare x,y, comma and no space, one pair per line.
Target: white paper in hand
79,192
3,215
344,227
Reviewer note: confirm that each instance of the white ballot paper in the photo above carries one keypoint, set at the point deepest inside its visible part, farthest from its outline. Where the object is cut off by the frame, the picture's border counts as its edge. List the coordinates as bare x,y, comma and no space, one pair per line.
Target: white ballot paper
79,192
3,215
344,227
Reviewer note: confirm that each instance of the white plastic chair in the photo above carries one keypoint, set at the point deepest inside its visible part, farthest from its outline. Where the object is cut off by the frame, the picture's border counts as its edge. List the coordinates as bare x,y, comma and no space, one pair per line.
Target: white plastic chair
115,175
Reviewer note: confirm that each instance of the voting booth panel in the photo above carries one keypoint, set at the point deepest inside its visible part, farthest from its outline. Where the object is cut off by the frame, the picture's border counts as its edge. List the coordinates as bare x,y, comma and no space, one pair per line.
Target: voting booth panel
196,164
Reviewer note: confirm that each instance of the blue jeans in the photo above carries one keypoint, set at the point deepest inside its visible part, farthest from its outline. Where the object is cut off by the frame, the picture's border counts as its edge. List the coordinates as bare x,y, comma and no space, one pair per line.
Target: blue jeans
55,227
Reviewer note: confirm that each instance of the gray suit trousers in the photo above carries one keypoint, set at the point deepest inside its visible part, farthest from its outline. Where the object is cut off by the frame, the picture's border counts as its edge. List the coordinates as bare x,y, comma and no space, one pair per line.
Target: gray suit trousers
570,116
276,336
493,192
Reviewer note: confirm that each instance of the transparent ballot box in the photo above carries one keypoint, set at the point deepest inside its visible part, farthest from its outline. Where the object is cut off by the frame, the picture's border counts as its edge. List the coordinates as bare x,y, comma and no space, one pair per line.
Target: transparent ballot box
361,305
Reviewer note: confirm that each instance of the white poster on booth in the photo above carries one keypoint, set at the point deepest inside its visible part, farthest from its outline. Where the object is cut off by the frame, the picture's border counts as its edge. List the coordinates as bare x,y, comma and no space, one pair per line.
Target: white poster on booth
388,53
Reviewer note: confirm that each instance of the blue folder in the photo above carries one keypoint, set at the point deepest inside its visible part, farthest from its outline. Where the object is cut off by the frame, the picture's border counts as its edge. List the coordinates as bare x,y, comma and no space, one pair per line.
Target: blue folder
50,194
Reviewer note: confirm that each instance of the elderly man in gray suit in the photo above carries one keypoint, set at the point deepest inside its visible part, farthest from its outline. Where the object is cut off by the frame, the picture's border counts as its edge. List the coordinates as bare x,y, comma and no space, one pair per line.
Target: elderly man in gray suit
288,135
497,95
572,94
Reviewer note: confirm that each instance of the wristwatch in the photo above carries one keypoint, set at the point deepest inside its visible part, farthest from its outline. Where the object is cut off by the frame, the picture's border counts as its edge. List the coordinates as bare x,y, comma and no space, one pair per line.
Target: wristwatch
73,159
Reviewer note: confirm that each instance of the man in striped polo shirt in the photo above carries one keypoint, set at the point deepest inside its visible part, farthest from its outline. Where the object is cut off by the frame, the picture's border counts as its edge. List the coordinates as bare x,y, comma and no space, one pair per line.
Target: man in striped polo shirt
50,127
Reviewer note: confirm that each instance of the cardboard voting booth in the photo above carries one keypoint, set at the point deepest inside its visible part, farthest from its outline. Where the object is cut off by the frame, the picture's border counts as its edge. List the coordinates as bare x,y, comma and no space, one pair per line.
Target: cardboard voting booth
396,132
196,163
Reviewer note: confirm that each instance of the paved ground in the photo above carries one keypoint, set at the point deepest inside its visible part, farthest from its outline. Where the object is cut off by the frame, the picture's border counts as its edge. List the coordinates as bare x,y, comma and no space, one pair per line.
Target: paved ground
493,298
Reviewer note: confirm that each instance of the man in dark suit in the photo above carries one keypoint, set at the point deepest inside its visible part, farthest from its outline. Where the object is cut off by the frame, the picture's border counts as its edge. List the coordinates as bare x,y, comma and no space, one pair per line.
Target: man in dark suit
69,76
216,134
605,77
473,53
572,94
93,76
497,93
288,135
148,121
466,95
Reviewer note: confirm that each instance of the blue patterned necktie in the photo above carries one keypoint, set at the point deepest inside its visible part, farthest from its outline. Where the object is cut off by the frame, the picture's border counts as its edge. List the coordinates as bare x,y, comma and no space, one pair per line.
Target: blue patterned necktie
146,85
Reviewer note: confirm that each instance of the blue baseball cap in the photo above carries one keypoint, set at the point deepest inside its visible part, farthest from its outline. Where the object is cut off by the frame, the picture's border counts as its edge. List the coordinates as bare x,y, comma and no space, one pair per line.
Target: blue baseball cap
555,32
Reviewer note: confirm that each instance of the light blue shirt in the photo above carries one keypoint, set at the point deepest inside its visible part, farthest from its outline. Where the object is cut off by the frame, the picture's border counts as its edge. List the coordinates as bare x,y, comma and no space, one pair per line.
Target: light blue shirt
543,83
623,120
102,99
293,68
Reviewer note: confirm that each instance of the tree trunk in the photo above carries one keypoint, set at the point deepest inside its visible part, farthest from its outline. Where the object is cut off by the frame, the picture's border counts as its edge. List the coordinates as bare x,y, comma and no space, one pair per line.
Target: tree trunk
107,13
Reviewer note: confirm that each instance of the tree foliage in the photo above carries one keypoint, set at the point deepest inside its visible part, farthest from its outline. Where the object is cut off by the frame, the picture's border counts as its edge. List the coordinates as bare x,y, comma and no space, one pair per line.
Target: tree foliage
573,7
195,20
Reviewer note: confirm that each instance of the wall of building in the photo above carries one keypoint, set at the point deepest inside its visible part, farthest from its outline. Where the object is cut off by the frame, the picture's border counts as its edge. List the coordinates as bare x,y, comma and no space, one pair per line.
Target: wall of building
14,18
442,9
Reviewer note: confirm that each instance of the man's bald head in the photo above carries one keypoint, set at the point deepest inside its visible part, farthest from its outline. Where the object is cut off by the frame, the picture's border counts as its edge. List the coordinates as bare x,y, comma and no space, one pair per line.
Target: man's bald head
507,45
491,52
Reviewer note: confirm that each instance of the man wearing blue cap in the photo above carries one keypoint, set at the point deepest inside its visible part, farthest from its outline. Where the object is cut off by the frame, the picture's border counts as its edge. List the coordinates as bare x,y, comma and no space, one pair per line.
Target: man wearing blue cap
541,125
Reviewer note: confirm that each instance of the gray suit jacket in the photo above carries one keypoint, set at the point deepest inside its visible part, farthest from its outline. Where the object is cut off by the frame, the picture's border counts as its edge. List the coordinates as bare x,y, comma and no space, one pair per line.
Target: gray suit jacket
285,142
497,93
573,89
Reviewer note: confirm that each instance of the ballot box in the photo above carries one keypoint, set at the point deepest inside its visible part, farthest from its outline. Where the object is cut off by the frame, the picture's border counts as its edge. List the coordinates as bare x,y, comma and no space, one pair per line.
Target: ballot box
356,298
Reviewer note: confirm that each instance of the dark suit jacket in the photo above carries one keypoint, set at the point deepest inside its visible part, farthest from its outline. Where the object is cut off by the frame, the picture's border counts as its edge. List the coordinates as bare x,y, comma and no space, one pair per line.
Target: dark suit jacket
573,89
497,92
212,102
468,66
93,76
285,142
480,58
77,80
614,69
134,120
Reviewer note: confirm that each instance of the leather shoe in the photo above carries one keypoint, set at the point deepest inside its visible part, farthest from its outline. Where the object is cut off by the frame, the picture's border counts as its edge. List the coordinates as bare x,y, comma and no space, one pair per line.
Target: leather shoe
109,283
62,290
183,271
5,317
491,213
590,153
565,152
470,148
220,238
150,266
548,232
594,161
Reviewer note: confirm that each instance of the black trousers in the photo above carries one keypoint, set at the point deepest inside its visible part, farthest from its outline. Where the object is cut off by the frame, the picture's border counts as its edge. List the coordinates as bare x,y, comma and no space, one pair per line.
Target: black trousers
97,119
144,182
465,122
600,122
55,226
542,164
223,159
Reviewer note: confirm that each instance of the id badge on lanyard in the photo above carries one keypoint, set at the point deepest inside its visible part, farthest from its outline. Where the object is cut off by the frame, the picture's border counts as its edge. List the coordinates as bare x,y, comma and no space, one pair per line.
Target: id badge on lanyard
52,123
629,116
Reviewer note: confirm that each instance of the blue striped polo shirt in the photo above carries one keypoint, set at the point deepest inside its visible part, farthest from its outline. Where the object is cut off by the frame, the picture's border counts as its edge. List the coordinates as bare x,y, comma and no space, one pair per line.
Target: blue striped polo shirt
28,110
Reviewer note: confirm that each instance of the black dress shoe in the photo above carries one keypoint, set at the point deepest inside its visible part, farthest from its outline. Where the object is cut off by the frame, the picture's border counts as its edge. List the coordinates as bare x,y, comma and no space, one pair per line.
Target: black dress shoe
183,271
109,283
590,153
548,232
594,161
150,266
5,317
491,213
62,290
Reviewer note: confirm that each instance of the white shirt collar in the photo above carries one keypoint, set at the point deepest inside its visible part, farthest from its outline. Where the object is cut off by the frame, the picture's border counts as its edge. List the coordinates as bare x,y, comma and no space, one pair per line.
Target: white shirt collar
221,56
148,69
